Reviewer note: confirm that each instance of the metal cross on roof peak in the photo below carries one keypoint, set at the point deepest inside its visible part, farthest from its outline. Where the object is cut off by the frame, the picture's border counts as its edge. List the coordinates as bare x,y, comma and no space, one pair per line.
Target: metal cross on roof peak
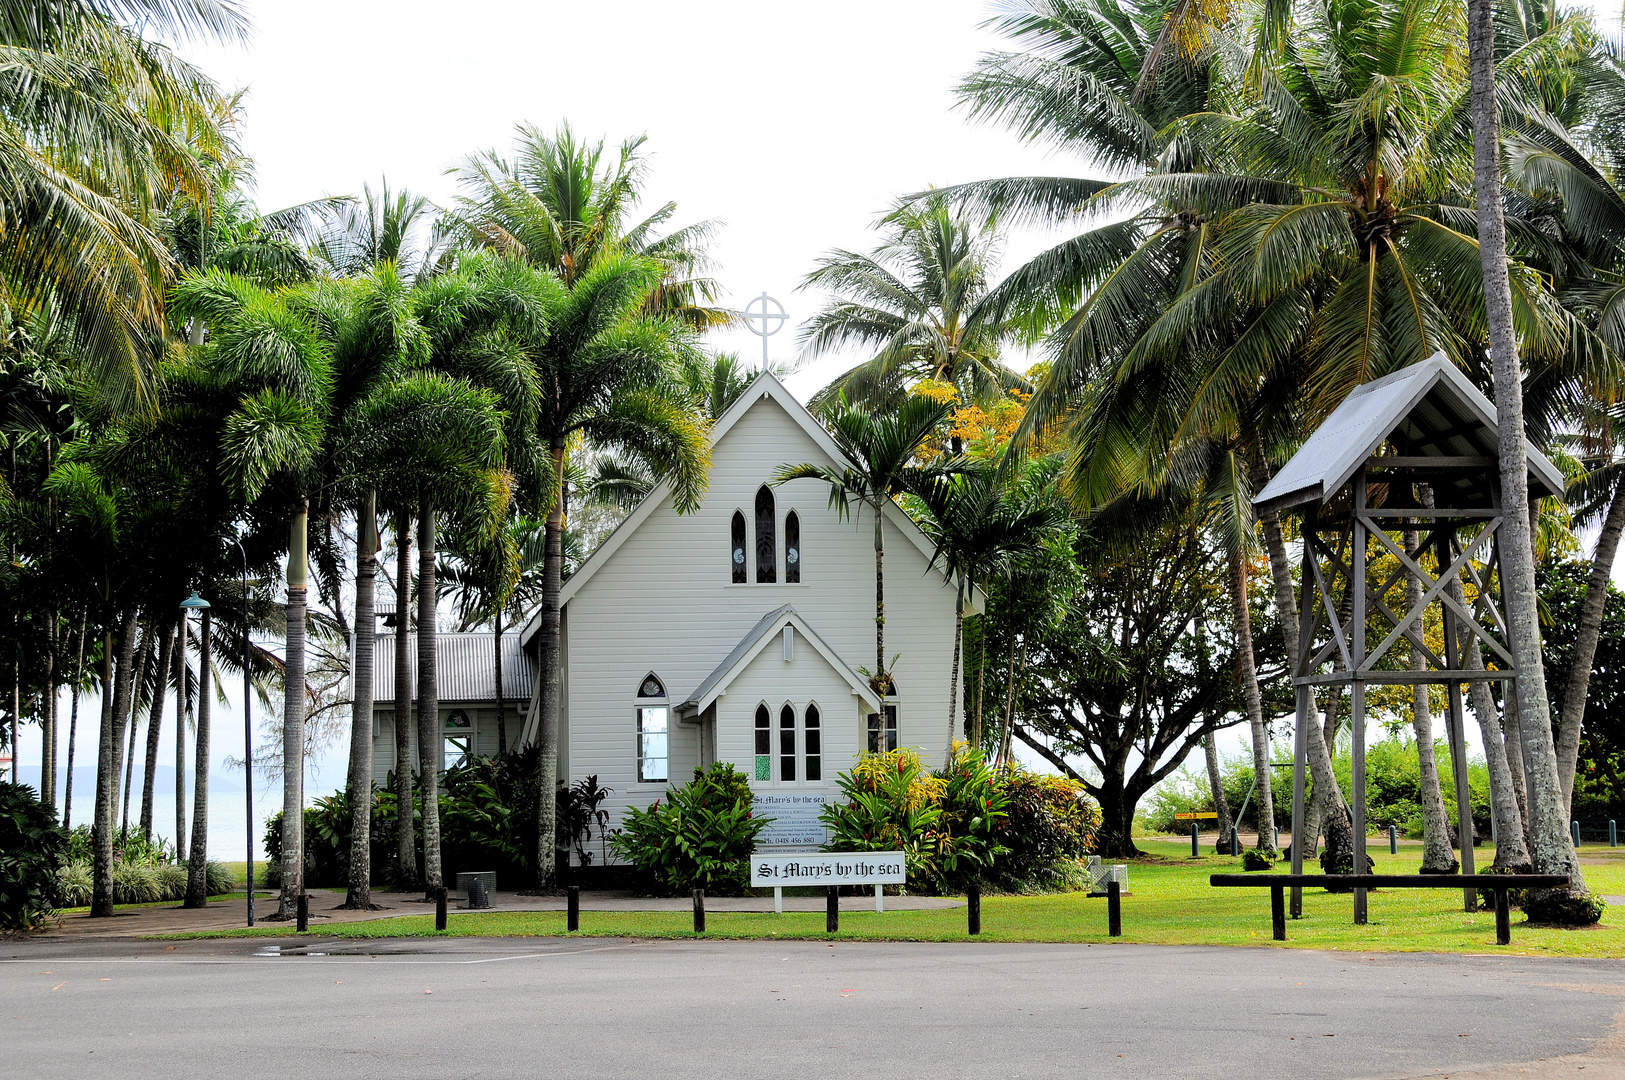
761,309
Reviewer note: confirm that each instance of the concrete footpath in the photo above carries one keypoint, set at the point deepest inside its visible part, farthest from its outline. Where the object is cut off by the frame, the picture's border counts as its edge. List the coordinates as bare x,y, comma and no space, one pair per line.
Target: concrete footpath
325,908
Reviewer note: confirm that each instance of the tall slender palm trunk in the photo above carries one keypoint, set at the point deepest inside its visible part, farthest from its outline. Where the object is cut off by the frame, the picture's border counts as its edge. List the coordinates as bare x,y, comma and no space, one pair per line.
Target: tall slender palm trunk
1328,813
1221,805
73,727
880,600
114,710
155,724
1585,646
1437,855
134,726
547,736
953,668
1247,674
197,863
496,671
183,720
293,721
406,845
359,893
1551,851
429,738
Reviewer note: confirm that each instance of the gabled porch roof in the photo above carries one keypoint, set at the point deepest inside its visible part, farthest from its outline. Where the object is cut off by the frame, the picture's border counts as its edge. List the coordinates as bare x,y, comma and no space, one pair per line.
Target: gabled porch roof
755,640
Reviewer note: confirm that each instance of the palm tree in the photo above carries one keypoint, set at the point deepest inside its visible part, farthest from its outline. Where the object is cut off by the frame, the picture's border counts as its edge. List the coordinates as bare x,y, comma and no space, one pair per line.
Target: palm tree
920,301
99,120
988,523
356,235
883,461
558,203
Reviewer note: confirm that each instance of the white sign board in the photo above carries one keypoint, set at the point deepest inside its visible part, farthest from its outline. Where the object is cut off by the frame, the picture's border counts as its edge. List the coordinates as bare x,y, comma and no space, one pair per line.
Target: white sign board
841,868
795,820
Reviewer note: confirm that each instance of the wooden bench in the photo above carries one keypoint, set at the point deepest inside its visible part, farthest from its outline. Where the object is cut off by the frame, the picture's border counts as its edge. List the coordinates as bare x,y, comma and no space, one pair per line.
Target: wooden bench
1499,884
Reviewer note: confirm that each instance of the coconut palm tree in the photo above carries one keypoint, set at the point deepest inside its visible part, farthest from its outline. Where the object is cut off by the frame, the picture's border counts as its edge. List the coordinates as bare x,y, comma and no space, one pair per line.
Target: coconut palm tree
382,226
883,461
920,302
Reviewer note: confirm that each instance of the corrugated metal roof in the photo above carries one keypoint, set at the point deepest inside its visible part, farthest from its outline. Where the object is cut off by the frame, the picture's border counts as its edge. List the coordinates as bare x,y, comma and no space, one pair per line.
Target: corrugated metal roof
1429,409
463,668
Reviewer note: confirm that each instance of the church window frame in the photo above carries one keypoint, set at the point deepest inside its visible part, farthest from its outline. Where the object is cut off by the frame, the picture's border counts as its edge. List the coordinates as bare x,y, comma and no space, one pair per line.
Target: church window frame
652,732
792,548
739,552
767,538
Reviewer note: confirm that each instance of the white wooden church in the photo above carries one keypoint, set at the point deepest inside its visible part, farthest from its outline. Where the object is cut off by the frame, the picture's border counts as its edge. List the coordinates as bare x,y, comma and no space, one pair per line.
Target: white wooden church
733,633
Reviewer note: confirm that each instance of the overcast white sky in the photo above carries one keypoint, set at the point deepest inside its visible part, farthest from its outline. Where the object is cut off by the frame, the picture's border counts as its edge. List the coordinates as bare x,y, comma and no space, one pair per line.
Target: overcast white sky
795,125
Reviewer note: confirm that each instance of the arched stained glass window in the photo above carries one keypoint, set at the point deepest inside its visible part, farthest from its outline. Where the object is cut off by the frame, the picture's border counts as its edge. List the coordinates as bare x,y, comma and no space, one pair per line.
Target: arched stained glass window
787,745
814,736
737,554
764,744
767,544
792,547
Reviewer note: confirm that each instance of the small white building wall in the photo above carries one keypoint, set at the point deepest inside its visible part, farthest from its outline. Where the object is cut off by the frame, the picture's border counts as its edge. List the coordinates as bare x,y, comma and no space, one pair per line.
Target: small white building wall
484,718
664,602
769,680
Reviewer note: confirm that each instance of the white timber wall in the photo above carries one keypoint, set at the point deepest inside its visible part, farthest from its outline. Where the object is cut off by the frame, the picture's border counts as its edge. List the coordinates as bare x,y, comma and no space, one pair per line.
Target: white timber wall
664,602
769,680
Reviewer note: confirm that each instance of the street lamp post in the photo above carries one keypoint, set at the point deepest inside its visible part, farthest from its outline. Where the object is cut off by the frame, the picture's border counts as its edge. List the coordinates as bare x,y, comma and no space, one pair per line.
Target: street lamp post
248,736
190,604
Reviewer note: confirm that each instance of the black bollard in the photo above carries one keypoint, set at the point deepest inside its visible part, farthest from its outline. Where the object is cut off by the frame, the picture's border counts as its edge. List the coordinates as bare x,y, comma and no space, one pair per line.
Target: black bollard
1114,908
572,908
832,911
1235,842
440,908
302,914
973,908
1393,840
1278,912
1195,842
699,911
1503,918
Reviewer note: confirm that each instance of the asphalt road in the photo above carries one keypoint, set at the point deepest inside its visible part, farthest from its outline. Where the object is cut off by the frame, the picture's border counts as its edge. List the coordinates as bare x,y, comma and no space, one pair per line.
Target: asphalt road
718,1010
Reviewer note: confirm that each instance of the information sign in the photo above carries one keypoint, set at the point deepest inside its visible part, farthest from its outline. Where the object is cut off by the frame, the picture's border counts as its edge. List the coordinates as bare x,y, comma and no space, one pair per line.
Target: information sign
795,819
841,868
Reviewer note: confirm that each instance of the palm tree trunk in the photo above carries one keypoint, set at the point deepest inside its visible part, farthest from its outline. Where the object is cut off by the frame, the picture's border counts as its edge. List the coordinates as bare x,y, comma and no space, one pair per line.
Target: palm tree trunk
880,600
1221,805
406,845
293,721
1009,688
548,721
134,726
974,734
953,668
197,863
359,894
114,709
47,777
1585,646
496,670
1008,737
1437,854
183,719
1247,674
73,727
429,738
1551,851
155,724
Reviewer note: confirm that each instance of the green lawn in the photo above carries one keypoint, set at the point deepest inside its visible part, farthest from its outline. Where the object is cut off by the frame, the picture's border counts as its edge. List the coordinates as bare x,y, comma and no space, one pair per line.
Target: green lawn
221,898
1170,903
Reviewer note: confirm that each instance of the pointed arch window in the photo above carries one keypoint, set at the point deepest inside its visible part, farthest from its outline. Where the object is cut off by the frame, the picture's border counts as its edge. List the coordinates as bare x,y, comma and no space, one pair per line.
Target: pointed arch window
653,731
767,541
764,744
787,745
813,737
792,548
737,552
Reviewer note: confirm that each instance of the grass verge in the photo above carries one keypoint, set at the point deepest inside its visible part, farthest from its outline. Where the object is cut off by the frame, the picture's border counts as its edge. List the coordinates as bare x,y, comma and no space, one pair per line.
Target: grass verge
1170,903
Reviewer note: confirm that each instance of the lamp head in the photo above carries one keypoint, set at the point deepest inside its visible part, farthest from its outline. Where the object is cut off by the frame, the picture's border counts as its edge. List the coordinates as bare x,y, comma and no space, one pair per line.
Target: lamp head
194,602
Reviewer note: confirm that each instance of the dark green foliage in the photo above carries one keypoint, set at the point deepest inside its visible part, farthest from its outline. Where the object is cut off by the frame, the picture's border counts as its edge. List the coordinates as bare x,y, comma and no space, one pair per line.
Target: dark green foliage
974,820
701,835
1259,858
581,811
32,847
1599,780
1050,824
1564,908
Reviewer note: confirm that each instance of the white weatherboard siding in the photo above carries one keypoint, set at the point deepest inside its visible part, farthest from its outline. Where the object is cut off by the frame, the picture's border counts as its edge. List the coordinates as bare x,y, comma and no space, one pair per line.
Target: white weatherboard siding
662,601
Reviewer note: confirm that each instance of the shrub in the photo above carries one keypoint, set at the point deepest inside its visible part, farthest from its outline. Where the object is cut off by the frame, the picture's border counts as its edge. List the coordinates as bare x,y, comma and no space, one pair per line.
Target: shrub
1007,827
700,836
1052,824
1563,907
888,803
32,848
1258,858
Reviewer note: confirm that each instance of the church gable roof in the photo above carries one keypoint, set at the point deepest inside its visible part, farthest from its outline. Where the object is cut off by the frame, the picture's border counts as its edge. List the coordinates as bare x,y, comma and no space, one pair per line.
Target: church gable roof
765,386
755,640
